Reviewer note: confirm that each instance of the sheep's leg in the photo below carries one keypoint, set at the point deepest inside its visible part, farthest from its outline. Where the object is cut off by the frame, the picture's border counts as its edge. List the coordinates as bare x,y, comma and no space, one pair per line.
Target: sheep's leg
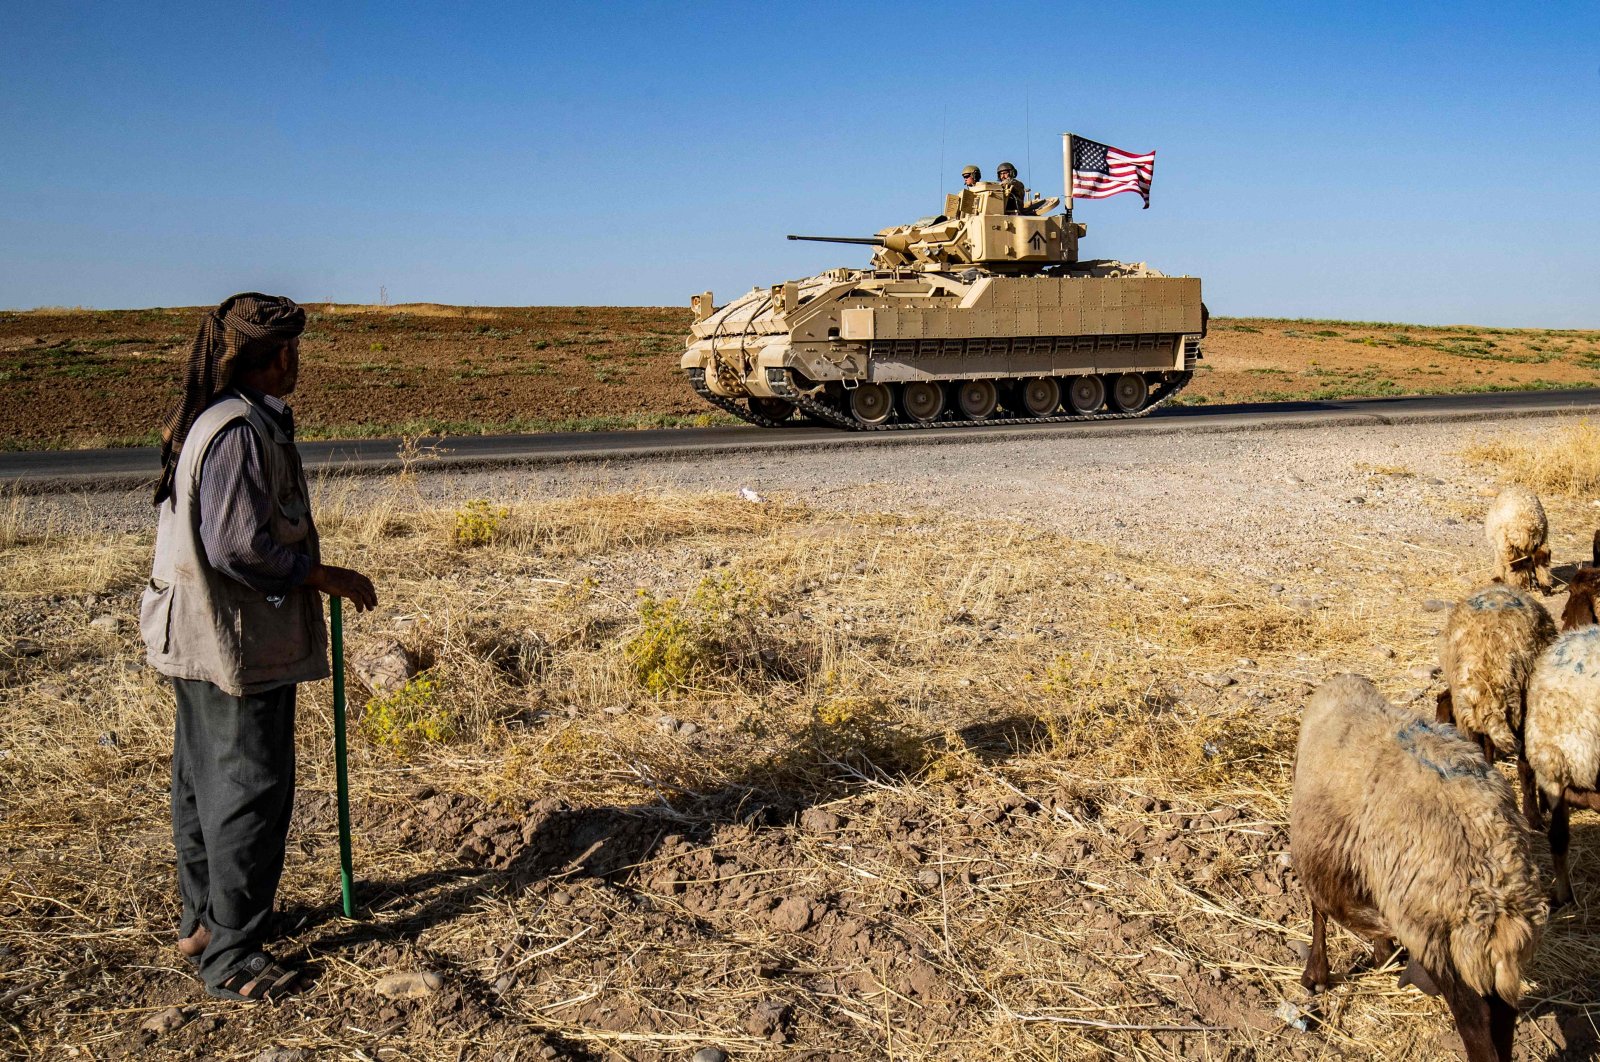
1315,978
1444,710
1502,1025
1476,1019
1383,950
1486,743
1559,838
1530,793
1417,975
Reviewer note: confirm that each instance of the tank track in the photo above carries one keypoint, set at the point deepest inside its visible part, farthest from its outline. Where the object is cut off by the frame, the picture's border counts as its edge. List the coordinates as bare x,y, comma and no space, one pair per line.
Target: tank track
697,380
838,418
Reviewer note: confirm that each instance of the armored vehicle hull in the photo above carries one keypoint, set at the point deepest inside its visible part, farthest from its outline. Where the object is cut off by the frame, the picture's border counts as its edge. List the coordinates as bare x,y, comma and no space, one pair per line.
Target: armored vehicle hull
891,348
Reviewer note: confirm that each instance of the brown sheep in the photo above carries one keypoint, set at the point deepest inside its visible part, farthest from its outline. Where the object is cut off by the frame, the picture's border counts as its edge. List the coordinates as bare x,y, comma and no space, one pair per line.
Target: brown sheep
1403,834
1491,641
1516,530
1561,734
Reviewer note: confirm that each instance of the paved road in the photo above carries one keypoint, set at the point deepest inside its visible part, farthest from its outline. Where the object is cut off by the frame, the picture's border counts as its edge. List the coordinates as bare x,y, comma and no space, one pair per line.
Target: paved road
116,469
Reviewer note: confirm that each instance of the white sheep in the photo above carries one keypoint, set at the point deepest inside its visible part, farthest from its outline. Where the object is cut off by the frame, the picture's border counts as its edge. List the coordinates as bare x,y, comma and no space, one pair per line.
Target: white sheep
1492,639
1561,734
1401,832
1516,530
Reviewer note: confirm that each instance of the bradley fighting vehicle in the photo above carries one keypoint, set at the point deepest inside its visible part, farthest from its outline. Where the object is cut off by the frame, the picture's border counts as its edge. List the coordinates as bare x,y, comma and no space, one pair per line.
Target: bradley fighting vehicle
984,313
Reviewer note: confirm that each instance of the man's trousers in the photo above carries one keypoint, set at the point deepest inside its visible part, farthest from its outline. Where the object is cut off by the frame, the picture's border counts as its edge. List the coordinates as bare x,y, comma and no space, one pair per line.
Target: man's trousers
232,795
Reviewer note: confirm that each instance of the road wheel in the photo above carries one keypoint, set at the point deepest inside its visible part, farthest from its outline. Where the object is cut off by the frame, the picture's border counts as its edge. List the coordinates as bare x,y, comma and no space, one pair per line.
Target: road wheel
1129,393
922,400
1040,396
771,408
871,403
1086,394
976,398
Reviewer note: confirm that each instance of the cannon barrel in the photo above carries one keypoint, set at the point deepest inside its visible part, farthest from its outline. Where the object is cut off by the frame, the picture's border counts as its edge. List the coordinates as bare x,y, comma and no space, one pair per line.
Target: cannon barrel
870,241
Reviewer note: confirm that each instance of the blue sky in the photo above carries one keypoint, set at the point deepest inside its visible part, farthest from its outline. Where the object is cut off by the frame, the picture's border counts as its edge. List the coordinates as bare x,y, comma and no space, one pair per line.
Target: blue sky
1429,163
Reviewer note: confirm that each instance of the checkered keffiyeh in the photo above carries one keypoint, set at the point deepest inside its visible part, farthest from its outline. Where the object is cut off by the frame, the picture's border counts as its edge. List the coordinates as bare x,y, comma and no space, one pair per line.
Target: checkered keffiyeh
236,320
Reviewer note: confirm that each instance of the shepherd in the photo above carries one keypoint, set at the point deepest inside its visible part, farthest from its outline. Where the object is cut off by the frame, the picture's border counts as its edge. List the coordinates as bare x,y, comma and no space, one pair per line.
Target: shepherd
232,615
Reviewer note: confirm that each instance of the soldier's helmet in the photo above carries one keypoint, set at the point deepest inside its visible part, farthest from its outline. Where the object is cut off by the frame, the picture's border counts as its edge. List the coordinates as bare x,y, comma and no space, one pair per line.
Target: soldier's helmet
1005,166
973,172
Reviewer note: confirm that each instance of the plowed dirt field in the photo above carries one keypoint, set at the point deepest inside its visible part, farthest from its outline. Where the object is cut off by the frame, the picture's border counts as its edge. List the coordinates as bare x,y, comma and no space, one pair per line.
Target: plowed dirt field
79,378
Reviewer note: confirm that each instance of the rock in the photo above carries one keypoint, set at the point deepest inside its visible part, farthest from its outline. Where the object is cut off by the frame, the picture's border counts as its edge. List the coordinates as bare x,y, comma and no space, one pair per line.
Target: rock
820,820
710,1054
1434,604
688,729
768,1019
793,914
1290,1015
1386,652
1276,588
387,669
750,496
281,1054
107,740
1218,682
107,622
1244,661
615,709
164,1021
503,984
1425,672
666,724
929,878
408,984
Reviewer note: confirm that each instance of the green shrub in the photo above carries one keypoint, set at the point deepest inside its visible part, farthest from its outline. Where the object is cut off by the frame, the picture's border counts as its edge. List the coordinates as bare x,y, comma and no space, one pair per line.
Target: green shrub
683,643
478,523
412,716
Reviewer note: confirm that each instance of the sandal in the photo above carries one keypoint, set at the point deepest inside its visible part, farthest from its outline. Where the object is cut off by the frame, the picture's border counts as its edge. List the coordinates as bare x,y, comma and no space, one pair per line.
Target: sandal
193,946
260,979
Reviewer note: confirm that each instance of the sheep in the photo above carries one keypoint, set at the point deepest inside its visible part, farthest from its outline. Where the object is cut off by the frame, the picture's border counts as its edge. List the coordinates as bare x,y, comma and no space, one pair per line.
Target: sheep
1401,832
1561,734
1491,641
1516,530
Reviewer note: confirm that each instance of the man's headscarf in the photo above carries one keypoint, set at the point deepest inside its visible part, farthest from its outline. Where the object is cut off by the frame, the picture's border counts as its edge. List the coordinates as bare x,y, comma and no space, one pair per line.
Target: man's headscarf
223,331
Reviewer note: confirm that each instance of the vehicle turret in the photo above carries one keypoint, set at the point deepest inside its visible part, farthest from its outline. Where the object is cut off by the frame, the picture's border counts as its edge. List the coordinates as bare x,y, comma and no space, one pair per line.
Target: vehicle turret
975,231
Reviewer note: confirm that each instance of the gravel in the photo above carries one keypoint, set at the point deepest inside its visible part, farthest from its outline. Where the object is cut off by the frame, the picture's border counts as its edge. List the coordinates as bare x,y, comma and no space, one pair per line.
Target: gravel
1265,502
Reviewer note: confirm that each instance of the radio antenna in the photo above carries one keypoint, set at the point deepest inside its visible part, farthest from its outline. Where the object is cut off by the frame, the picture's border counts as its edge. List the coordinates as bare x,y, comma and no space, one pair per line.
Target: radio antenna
944,125
1027,119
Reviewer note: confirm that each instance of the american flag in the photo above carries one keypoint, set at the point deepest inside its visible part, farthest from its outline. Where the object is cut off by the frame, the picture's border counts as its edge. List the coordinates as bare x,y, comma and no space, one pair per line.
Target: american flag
1100,171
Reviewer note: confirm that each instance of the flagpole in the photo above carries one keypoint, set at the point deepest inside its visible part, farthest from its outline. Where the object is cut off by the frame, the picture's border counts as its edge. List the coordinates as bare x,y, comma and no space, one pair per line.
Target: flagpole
1066,170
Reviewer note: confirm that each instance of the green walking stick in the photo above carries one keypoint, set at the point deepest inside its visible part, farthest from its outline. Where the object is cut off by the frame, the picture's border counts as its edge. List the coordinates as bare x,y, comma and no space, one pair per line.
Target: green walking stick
346,873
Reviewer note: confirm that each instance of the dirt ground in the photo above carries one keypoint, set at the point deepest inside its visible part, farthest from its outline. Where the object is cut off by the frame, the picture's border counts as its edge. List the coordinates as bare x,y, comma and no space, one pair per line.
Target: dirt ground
105,377
938,773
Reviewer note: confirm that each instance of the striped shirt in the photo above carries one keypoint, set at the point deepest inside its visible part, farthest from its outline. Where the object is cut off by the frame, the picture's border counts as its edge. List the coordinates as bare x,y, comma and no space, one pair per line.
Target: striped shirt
236,508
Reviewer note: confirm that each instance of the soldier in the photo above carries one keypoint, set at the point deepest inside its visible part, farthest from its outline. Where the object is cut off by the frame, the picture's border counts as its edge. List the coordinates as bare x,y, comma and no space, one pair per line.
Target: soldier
971,175
1015,194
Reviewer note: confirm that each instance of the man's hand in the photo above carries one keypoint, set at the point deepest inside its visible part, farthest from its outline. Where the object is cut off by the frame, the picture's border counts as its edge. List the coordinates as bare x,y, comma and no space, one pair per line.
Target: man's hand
343,582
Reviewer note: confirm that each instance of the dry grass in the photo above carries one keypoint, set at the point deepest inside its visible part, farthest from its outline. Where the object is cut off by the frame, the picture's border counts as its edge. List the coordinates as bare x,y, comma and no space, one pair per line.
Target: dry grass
1564,462
955,790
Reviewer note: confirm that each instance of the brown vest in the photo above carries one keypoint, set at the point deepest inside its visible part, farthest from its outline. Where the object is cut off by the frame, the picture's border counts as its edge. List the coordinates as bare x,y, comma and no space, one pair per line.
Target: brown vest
200,624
